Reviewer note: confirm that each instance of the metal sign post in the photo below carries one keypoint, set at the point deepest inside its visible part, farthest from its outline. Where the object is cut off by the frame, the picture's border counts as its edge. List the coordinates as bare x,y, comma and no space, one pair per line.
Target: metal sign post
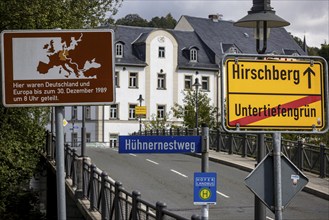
60,174
277,175
205,165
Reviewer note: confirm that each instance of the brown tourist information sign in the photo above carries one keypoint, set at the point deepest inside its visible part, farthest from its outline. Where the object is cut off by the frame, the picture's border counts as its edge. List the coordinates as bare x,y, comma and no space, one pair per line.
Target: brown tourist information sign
57,67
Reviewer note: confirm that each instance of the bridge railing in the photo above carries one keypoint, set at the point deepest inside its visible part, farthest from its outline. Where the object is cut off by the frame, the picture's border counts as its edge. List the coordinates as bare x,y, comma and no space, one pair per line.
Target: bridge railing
307,157
107,196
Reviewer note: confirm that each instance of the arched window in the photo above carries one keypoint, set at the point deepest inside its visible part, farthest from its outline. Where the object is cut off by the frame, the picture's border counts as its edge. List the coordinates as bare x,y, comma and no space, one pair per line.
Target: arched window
119,50
194,55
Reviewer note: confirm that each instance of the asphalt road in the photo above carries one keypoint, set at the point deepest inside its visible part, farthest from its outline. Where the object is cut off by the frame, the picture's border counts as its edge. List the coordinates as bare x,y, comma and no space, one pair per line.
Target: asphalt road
169,178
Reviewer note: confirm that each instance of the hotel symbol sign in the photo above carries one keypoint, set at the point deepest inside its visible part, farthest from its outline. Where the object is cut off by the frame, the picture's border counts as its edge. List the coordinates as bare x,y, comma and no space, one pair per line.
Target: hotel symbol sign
275,95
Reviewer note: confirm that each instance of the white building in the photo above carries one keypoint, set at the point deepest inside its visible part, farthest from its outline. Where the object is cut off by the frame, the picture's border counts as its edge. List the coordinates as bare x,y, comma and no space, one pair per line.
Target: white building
160,65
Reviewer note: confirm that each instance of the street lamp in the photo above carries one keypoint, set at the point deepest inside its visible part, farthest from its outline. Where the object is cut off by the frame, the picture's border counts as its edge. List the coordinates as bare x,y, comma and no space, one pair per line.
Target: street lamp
196,85
140,99
261,17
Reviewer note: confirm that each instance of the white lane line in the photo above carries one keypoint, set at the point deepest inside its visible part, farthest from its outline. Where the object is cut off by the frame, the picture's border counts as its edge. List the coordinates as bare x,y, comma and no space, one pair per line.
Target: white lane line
222,194
151,161
115,149
134,155
183,175
269,218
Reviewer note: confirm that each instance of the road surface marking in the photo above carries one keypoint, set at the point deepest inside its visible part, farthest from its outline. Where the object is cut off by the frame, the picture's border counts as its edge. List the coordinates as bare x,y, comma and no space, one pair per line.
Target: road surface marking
115,149
183,175
222,194
134,155
151,161
269,218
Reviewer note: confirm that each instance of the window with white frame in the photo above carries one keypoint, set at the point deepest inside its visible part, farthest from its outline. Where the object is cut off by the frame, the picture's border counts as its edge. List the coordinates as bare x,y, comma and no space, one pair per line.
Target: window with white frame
119,50
88,112
74,113
113,140
205,83
114,111
162,52
131,113
116,79
161,81
193,55
188,82
161,111
133,80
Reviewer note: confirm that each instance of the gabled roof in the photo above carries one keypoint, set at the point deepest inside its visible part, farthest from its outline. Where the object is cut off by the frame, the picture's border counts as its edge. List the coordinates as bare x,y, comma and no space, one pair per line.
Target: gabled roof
128,35
188,40
133,39
213,39
214,33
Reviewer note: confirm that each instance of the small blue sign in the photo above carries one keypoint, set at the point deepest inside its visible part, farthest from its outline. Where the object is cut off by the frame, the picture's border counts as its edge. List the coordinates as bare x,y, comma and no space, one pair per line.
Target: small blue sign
159,144
205,185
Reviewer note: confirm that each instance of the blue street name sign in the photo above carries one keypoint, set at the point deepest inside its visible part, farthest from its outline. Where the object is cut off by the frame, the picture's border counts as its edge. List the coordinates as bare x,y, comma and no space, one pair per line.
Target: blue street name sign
205,185
159,144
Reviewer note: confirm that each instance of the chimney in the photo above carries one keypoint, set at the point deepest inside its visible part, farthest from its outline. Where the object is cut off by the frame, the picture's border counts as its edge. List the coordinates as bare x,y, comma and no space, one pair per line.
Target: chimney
215,17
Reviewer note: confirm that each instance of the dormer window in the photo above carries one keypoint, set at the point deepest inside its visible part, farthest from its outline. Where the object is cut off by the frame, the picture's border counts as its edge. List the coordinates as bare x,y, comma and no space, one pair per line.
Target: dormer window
230,48
233,50
119,50
194,55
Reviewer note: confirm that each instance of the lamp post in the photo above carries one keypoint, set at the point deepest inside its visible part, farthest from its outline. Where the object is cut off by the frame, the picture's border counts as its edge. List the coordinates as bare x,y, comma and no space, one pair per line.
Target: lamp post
140,99
261,17
196,85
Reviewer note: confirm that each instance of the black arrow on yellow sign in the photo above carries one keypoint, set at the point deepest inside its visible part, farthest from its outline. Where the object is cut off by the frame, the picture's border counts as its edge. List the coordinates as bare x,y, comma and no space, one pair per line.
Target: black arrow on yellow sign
309,73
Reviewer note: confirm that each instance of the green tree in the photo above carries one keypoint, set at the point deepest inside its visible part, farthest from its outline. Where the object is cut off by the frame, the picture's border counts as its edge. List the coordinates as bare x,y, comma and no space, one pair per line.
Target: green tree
167,22
157,123
50,14
22,130
132,20
206,112
324,51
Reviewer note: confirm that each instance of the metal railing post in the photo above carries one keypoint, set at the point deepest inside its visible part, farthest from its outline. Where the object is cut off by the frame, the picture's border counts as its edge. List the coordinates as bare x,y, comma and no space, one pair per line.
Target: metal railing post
84,178
134,209
92,188
244,145
104,210
118,186
322,157
73,168
159,210
300,155
219,143
66,162
230,149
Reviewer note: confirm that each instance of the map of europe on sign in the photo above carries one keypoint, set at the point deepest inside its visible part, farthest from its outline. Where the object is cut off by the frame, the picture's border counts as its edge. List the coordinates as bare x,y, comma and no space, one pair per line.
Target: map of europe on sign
57,67
54,58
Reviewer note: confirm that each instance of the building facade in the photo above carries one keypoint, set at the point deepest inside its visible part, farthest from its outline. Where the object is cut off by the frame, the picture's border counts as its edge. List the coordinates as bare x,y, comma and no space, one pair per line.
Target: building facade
160,65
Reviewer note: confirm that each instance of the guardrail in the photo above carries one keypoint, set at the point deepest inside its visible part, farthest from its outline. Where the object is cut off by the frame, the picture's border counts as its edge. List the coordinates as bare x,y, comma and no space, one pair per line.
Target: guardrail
307,157
107,196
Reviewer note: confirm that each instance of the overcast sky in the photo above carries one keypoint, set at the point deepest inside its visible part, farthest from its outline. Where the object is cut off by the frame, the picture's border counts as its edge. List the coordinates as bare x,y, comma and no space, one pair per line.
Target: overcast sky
306,17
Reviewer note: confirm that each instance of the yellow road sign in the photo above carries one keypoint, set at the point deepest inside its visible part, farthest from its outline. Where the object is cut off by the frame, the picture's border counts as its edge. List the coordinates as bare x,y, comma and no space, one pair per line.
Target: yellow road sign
140,110
205,193
275,94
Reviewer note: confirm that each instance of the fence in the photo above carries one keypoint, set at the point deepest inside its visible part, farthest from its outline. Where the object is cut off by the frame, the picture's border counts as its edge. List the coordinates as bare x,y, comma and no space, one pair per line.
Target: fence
107,196
307,157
